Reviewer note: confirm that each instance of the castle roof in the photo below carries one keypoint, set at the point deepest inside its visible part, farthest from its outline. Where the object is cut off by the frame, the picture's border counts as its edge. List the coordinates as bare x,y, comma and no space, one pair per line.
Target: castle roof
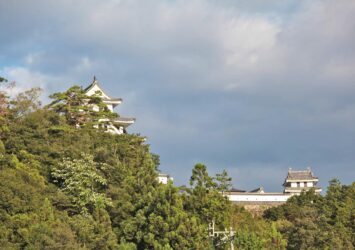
300,175
257,190
95,89
124,121
94,82
237,190
95,85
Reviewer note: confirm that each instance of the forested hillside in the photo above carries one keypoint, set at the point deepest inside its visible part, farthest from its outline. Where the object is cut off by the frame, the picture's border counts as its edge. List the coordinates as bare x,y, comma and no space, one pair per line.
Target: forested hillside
69,187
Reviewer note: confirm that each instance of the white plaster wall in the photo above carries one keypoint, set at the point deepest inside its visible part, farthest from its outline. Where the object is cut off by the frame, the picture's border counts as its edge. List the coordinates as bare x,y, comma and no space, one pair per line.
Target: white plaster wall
163,179
237,197
293,184
110,107
113,130
93,90
309,184
301,184
95,108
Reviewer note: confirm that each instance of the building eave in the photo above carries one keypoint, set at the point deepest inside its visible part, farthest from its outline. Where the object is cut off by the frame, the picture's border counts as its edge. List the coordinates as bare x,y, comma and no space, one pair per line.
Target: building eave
298,190
302,180
123,121
255,194
96,83
113,102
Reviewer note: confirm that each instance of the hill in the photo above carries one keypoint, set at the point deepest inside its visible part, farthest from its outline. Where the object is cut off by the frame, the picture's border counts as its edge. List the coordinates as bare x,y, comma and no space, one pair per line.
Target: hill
69,187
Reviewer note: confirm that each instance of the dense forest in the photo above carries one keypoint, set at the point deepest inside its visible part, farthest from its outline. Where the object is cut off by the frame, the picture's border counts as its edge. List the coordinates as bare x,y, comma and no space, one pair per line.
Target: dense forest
64,186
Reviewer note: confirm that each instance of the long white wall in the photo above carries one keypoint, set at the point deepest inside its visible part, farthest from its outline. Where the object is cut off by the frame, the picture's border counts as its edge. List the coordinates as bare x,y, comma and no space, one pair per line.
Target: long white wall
258,197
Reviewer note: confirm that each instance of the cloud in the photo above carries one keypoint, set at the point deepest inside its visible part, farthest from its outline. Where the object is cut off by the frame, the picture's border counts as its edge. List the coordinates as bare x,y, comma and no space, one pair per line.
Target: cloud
25,79
252,87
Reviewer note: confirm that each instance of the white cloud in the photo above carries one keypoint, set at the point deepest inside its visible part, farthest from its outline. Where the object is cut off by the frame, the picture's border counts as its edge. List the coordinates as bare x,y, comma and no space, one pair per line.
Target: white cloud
84,65
26,79
276,88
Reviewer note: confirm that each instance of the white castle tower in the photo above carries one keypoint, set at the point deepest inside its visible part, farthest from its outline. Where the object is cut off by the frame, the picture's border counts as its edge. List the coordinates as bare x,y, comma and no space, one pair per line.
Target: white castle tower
300,180
116,125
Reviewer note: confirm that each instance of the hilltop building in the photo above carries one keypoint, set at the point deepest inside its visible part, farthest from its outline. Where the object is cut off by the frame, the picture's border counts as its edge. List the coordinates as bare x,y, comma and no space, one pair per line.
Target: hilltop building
164,178
301,180
117,125
114,126
257,197
295,182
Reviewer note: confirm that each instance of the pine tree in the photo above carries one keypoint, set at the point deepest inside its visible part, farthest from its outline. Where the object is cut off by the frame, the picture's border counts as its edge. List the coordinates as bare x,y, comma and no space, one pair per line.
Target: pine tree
78,109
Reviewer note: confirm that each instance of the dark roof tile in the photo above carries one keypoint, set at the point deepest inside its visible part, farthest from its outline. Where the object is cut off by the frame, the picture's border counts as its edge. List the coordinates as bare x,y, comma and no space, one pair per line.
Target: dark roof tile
300,175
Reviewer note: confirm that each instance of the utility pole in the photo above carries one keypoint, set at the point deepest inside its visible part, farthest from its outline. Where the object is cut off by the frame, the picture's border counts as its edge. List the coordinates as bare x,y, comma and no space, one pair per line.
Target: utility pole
227,235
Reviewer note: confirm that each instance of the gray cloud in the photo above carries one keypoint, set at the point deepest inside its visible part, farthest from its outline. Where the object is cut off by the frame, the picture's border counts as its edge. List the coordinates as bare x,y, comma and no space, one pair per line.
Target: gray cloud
246,87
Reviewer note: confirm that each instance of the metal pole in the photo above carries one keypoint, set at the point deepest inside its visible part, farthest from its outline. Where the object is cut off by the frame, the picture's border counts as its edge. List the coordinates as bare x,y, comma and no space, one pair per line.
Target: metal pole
231,237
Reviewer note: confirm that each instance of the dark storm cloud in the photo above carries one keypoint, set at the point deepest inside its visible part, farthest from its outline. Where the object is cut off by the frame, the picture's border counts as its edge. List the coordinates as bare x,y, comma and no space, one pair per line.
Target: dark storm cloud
246,87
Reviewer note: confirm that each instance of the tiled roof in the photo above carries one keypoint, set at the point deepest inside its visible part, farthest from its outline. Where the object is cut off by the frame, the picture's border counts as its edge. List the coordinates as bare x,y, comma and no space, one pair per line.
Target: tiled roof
237,190
113,99
257,190
300,175
124,119
94,82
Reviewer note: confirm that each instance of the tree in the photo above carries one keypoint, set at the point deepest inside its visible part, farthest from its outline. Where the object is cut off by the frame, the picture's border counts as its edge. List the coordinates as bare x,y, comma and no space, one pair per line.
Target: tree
26,102
4,105
80,178
200,178
224,182
204,200
310,221
248,241
3,98
169,226
71,103
77,107
66,188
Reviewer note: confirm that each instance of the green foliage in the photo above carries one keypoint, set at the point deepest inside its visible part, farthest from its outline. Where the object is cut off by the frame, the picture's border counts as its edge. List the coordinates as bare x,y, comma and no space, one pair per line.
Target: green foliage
310,221
68,188
81,180
204,198
204,201
4,105
78,108
71,103
255,232
26,102
224,182
248,241
2,79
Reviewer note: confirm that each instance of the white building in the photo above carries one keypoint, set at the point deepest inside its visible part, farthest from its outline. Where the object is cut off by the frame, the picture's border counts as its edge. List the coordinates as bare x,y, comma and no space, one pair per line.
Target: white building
300,180
295,183
114,126
257,196
164,178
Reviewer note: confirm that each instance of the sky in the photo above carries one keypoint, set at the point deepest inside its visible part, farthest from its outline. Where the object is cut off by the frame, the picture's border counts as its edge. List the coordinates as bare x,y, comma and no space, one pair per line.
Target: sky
253,87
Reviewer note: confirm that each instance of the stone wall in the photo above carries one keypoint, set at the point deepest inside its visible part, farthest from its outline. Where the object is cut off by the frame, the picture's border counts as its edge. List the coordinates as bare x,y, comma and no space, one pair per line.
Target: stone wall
257,208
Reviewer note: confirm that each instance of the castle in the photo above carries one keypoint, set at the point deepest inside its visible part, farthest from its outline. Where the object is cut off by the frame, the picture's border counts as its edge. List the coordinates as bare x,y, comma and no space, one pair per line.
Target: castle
114,126
296,182
118,125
